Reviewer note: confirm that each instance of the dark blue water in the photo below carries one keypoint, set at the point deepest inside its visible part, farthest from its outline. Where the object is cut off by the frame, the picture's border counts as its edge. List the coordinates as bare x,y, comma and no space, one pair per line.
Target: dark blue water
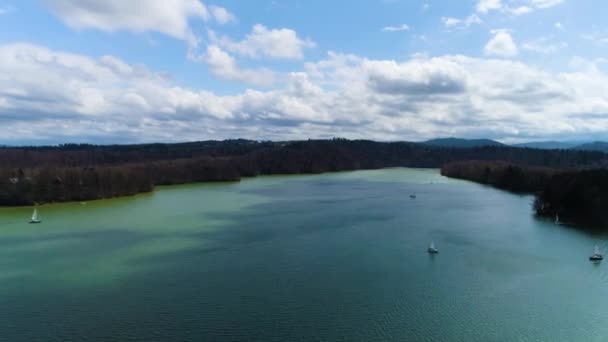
339,257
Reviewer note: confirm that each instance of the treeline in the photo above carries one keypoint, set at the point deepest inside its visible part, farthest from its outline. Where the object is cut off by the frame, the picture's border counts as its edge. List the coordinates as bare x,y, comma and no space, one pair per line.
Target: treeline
77,155
84,172
367,152
61,184
68,184
574,196
501,174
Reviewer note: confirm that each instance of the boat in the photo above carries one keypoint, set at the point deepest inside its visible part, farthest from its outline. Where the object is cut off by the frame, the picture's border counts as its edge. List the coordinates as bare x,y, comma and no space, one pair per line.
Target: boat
413,196
35,218
597,254
557,221
432,249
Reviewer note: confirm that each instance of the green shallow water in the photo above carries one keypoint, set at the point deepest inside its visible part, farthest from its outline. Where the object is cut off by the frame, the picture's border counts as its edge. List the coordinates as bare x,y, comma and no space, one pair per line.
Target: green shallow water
336,257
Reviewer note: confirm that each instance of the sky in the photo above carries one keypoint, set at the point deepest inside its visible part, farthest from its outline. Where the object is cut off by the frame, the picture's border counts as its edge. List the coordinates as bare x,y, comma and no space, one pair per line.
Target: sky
115,71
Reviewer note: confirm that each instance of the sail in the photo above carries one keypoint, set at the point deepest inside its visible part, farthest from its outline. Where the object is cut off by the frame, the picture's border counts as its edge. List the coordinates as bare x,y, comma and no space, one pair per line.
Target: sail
35,215
596,250
432,246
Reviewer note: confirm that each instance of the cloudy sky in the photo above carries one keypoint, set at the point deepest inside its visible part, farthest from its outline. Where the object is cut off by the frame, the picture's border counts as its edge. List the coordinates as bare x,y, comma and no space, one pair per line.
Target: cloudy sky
116,71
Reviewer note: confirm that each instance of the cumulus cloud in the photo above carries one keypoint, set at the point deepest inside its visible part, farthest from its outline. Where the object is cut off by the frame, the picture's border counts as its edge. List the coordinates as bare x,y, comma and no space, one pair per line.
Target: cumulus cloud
484,6
419,77
274,43
54,96
450,22
170,17
225,67
221,15
501,45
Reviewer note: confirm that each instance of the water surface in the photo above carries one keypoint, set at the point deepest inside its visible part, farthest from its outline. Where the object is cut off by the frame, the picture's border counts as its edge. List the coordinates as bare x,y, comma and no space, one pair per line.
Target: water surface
336,257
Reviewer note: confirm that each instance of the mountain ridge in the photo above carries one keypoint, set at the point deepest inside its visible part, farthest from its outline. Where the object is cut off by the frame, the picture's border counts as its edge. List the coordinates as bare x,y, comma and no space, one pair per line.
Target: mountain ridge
452,142
582,145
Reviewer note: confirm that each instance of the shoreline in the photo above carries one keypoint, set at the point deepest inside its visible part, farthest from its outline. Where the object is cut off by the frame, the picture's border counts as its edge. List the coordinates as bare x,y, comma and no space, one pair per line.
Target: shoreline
583,226
569,197
164,186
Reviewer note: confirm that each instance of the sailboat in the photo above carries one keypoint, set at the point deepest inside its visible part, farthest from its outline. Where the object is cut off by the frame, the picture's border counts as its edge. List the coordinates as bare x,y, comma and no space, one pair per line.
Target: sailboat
35,218
597,254
557,221
432,249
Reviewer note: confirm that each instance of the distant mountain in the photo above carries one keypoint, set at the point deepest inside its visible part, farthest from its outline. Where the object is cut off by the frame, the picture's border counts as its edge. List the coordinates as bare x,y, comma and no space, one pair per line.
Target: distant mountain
462,143
551,145
600,146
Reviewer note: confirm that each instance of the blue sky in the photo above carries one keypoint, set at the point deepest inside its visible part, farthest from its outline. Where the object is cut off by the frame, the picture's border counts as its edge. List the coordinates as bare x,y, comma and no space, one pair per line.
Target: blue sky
118,71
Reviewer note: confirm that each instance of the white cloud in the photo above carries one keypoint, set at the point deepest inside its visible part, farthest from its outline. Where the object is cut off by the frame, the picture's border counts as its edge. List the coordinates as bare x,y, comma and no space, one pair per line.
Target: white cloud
403,27
419,77
53,96
520,10
545,3
484,6
544,45
222,15
449,21
472,19
170,17
501,45
515,7
275,43
559,26
461,23
224,66
596,38
588,65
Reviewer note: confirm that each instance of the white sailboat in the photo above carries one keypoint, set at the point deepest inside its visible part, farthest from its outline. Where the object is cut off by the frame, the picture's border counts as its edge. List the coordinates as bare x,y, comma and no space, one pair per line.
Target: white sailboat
557,221
597,254
35,218
432,249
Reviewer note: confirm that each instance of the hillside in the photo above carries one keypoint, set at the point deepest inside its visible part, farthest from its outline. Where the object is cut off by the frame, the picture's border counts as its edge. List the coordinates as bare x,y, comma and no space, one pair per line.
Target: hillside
550,145
461,143
600,146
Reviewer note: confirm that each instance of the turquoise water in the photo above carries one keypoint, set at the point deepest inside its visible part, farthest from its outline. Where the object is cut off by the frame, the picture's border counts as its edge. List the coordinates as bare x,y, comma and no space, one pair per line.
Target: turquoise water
336,257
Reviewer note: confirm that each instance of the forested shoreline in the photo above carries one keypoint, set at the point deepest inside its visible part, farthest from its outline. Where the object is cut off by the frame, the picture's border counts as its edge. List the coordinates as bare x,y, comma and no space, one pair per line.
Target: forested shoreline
503,175
577,196
38,175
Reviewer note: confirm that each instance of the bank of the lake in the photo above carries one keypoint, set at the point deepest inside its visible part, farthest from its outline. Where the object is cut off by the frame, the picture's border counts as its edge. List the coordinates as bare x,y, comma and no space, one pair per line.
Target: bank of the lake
573,196
326,257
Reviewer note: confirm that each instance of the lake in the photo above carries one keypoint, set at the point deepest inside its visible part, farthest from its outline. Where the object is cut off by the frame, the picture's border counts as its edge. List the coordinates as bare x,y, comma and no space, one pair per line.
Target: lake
334,257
